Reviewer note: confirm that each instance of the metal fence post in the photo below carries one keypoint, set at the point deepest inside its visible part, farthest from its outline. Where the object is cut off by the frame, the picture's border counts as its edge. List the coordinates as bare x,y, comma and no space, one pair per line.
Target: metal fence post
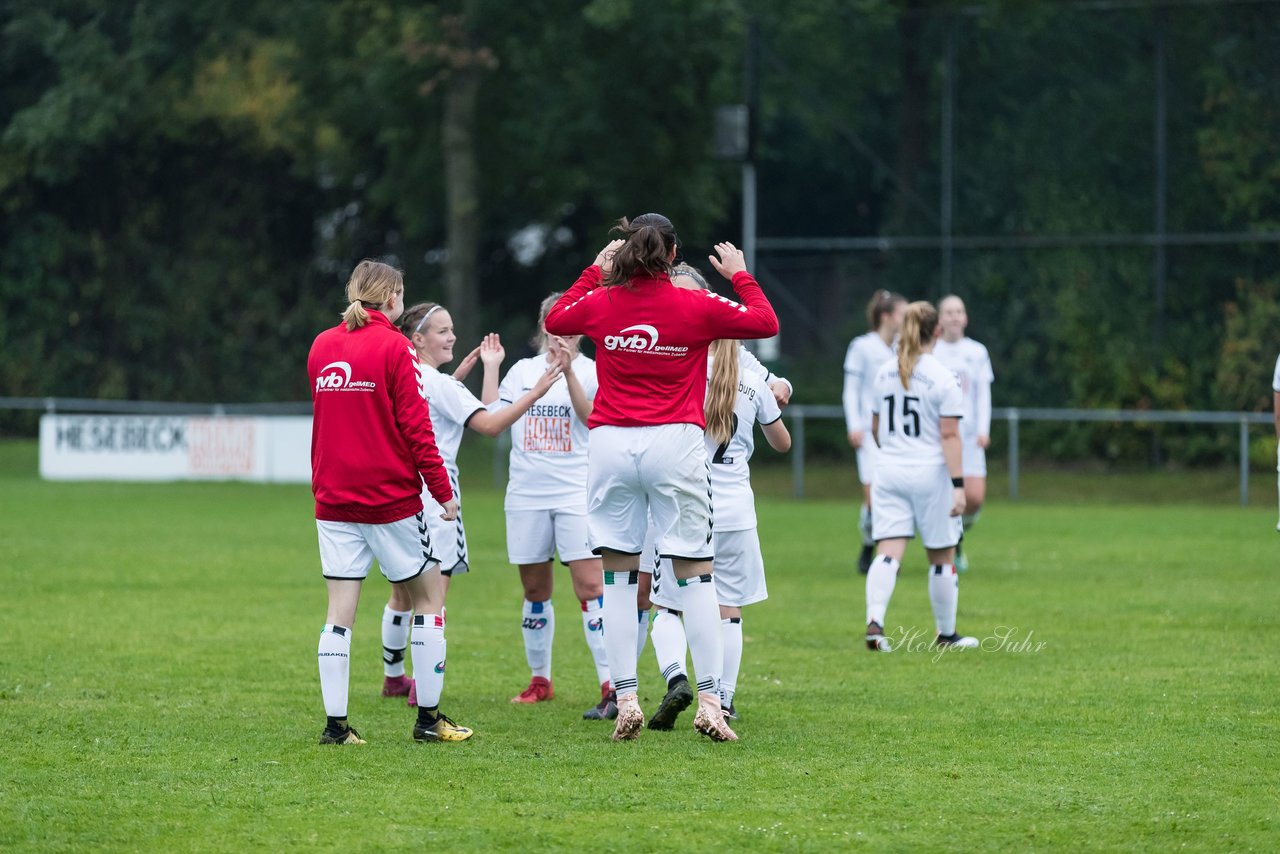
797,454
1244,461
1013,453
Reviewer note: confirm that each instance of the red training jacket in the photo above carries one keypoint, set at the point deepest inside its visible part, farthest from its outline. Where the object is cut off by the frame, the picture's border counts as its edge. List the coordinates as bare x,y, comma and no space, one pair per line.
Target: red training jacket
372,445
651,342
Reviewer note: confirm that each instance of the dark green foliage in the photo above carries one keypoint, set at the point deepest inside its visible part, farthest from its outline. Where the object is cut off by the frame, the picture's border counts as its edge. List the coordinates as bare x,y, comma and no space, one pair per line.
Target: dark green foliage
185,186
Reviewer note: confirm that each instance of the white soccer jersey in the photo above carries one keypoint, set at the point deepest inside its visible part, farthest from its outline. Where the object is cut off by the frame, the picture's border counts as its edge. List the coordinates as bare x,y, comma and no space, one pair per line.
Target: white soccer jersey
733,501
549,442
909,431
1275,380
451,405
748,362
971,364
865,354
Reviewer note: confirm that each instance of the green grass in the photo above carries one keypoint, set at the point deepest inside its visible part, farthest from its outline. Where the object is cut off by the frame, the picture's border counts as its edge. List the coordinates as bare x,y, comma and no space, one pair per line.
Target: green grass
158,691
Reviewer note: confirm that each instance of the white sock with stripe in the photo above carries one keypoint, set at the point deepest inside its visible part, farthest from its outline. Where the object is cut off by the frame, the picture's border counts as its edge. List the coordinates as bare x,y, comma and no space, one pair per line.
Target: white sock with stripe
538,627
642,632
702,628
620,629
944,596
731,631
669,644
395,640
593,631
334,656
427,648
881,578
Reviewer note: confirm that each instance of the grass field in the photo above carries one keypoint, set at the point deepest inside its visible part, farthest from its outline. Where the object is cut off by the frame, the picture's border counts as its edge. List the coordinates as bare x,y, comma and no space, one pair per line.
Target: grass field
158,691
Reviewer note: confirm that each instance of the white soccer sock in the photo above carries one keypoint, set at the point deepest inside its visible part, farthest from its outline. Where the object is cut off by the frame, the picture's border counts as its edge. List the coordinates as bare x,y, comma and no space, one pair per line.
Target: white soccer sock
334,655
539,628
642,632
395,639
702,627
669,644
620,629
427,649
944,594
593,631
731,632
864,525
880,580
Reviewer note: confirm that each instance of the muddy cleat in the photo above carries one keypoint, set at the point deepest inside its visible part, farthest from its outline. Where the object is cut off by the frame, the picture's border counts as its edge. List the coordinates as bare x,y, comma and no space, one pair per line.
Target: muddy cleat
865,557
630,719
876,641
606,709
955,641
539,691
679,696
396,686
710,721
340,736
441,729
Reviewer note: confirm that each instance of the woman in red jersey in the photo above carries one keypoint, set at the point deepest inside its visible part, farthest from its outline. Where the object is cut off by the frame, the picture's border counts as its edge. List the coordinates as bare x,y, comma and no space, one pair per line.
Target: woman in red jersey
646,451
372,447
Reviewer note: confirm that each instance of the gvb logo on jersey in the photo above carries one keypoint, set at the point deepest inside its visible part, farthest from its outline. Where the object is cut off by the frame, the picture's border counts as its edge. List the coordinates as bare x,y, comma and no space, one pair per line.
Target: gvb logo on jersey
643,339
534,623
336,376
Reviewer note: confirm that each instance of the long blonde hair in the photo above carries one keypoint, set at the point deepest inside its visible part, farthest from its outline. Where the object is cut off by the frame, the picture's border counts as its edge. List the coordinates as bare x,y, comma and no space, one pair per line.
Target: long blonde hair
918,328
372,284
722,389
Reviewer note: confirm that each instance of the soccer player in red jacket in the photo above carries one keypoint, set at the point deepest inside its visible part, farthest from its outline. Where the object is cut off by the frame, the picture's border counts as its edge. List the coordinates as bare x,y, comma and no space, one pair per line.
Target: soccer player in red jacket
646,451
372,447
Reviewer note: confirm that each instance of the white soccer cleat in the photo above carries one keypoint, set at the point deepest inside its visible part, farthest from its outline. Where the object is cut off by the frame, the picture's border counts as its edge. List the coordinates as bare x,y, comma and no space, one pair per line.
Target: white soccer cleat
876,641
710,721
956,641
630,719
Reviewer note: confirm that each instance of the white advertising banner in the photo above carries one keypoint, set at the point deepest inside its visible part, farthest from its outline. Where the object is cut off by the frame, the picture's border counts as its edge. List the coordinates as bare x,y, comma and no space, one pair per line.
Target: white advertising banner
175,447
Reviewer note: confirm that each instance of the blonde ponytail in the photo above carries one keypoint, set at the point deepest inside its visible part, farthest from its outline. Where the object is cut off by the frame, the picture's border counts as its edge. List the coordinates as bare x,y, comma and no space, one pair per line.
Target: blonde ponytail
722,390
355,316
918,328
372,284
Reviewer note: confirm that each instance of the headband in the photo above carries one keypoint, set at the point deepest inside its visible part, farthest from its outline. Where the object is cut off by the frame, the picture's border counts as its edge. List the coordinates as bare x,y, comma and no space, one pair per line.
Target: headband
430,311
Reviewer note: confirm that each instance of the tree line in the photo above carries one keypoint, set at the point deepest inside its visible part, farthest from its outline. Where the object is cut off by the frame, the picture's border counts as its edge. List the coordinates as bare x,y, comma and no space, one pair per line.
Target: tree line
184,186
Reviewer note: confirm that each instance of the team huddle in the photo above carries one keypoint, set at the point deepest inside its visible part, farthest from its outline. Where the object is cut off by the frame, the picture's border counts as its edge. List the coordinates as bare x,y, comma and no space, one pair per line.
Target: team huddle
631,469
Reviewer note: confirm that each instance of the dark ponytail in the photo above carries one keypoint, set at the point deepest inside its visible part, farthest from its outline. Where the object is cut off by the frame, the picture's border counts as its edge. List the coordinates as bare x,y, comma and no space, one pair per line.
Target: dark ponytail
650,238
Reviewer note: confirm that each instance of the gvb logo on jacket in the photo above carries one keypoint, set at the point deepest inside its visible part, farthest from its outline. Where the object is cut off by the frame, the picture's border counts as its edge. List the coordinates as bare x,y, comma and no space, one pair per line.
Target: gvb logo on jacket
336,376
642,339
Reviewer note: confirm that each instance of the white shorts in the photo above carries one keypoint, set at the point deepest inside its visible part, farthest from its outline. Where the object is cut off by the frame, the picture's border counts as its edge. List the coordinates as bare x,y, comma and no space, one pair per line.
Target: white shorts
973,458
448,539
738,570
535,536
867,456
634,472
402,549
907,498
